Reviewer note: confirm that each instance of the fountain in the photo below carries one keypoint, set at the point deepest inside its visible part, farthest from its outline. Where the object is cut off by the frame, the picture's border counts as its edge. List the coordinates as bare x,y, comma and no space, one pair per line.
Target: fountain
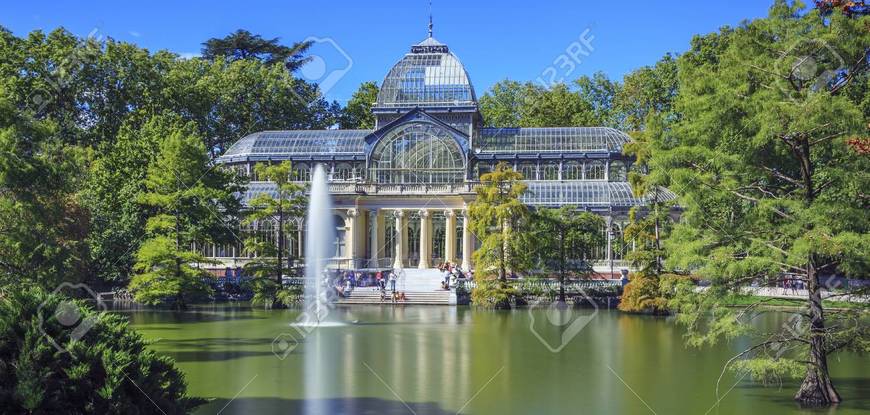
319,239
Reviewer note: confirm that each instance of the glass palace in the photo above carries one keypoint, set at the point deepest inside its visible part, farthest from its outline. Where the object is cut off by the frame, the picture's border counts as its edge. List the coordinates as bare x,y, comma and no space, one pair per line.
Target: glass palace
401,190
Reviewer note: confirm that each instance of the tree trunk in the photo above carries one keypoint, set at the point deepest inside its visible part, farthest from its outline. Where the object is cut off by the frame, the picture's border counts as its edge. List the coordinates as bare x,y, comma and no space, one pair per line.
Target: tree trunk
817,387
505,247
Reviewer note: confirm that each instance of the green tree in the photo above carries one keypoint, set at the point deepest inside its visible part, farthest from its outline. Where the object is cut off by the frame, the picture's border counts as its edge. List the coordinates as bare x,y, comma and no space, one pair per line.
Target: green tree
109,369
42,222
111,190
498,218
286,207
564,239
769,186
646,92
243,44
192,202
513,104
601,93
501,106
357,114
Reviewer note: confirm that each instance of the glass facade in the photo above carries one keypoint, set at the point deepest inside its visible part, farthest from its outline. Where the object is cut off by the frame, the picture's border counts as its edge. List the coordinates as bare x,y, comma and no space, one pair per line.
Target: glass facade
417,153
427,152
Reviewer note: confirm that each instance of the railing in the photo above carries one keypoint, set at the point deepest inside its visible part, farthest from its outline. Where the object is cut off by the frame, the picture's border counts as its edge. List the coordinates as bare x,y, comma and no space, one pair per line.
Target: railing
401,189
545,285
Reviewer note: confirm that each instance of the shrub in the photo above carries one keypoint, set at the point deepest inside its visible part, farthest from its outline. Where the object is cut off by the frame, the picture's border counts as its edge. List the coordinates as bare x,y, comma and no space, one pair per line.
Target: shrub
491,293
643,295
107,370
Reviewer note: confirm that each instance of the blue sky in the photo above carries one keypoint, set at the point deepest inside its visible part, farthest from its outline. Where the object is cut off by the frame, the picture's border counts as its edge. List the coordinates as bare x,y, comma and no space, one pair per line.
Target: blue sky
361,40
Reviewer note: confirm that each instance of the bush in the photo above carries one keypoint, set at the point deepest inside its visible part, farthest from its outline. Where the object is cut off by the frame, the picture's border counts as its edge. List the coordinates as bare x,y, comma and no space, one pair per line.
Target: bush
643,295
108,370
490,293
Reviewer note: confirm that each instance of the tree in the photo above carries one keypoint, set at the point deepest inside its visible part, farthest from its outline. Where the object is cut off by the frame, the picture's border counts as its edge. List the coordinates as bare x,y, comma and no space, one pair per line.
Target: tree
600,92
107,369
770,188
243,44
358,112
498,218
111,190
646,92
42,222
564,239
501,106
285,207
512,104
192,203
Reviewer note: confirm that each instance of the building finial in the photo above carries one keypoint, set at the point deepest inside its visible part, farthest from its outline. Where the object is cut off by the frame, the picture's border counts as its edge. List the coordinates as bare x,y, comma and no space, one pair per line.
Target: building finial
430,18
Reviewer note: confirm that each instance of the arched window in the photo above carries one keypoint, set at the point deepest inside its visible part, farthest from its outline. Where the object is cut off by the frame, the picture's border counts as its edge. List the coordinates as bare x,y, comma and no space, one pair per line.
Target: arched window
529,170
550,171
617,171
594,170
343,172
303,172
417,153
572,170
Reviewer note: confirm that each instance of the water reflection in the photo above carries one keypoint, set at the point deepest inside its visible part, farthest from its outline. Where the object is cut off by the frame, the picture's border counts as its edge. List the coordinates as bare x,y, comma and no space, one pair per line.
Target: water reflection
437,360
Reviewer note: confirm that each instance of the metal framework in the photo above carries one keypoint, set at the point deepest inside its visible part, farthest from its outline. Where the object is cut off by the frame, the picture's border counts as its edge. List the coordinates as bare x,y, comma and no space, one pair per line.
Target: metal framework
278,144
551,140
587,194
417,153
428,76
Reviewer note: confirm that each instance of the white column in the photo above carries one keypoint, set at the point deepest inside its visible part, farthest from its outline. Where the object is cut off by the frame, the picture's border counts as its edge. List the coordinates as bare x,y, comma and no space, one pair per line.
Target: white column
449,236
400,235
374,248
351,236
466,243
425,239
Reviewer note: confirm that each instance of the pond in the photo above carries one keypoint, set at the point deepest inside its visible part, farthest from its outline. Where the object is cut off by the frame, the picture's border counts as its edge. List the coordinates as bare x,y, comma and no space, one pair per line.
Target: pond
447,360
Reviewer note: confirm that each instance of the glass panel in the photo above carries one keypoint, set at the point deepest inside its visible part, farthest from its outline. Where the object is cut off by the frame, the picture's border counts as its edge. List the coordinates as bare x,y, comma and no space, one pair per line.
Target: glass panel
426,77
561,139
417,153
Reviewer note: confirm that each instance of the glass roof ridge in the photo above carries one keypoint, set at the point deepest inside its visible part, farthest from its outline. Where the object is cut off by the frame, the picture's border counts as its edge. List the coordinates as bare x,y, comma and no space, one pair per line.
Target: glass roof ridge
551,139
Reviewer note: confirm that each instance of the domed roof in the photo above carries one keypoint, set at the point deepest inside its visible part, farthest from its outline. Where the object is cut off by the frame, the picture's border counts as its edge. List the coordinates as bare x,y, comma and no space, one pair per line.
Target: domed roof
430,75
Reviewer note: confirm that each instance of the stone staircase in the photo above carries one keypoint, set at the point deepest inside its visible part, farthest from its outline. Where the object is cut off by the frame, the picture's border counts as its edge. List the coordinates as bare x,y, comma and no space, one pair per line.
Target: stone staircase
421,287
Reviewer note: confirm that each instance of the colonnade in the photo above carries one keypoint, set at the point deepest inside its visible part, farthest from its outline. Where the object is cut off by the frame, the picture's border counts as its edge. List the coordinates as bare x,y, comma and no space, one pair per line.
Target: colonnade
373,233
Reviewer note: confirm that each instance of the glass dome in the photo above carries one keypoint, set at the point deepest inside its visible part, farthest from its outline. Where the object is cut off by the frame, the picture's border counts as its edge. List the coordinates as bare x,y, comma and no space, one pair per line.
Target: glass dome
430,75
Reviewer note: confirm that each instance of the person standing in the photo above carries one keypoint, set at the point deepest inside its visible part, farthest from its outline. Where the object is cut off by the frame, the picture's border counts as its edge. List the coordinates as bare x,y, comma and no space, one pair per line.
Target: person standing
392,281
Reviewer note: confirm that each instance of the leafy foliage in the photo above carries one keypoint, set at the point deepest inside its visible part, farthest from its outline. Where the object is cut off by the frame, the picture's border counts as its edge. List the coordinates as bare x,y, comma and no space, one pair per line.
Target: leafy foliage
42,222
357,113
108,370
564,239
285,209
192,202
768,183
500,222
489,293
243,44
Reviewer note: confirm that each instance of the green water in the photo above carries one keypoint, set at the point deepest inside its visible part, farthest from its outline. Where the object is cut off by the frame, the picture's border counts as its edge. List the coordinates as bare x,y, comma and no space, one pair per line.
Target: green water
444,360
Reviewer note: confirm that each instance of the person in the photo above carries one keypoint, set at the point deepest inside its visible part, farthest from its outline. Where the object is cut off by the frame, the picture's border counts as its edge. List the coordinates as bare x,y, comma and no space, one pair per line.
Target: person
393,281
402,296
